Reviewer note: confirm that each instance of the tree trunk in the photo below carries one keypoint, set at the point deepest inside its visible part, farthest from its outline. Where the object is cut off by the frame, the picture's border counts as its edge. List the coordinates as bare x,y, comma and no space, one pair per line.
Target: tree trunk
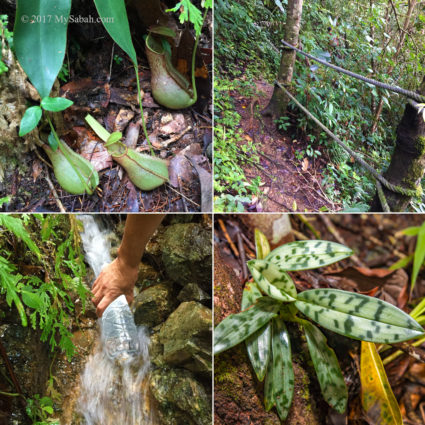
403,32
408,160
279,101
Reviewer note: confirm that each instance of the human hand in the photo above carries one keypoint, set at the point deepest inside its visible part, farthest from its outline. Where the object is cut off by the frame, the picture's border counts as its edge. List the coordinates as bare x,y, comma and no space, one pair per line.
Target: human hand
116,279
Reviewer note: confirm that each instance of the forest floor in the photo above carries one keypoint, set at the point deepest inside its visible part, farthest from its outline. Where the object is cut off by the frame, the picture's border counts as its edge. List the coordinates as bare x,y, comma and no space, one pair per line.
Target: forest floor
102,82
292,181
377,245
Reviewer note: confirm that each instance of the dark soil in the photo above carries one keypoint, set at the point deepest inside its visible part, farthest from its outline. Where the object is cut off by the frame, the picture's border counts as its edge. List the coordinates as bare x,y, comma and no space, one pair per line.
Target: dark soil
291,184
101,82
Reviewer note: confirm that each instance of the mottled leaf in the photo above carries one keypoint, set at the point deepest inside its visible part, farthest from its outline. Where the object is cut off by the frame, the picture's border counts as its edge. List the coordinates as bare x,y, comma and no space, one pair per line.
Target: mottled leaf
378,399
258,344
262,245
237,327
327,368
273,281
305,255
282,371
358,316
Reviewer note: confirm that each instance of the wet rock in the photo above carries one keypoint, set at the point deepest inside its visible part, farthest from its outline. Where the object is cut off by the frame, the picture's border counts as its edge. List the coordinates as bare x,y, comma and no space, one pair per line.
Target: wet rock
148,275
186,336
181,398
186,254
153,305
192,292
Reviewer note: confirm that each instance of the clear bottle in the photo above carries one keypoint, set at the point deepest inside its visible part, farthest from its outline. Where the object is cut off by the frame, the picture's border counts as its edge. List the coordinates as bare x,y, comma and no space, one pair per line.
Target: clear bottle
119,332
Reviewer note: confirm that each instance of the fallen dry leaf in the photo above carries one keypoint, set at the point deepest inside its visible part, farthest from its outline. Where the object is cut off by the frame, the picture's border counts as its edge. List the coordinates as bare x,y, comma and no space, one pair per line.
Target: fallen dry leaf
37,168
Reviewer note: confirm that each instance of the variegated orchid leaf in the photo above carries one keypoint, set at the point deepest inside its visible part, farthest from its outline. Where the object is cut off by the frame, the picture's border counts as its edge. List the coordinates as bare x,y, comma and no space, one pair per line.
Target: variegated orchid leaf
358,316
282,370
262,246
305,255
274,282
258,344
327,368
238,327
269,396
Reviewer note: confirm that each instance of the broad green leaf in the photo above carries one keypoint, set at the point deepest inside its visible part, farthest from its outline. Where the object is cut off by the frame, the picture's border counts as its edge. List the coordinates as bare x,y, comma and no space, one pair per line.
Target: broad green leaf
258,344
56,104
30,120
305,255
419,256
272,280
262,245
237,327
378,399
282,371
116,23
403,262
327,368
40,43
31,299
358,316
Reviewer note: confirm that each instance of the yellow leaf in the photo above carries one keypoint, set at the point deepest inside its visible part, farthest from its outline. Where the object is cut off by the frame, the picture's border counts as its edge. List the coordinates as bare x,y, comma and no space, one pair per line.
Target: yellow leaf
261,244
378,399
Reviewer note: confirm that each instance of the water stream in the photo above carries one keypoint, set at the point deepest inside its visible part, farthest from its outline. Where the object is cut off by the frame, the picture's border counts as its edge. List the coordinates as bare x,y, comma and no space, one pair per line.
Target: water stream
113,391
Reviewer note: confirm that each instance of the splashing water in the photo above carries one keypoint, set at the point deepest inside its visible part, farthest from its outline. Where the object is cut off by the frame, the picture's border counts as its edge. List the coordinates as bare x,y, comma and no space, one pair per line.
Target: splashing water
113,391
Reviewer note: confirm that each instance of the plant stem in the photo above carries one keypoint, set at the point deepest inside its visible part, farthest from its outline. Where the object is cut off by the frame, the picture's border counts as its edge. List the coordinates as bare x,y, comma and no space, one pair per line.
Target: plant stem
139,97
10,394
65,154
397,353
418,310
195,47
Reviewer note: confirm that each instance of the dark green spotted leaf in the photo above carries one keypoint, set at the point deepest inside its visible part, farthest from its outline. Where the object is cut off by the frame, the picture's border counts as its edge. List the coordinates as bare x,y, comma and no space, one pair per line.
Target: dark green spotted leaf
327,368
305,255
282,372
358,316
262,245
273,281
258,344
269,400
238,327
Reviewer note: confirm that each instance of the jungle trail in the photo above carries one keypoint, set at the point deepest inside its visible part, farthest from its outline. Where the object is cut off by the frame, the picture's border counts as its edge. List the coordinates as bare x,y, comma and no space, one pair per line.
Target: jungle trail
415,100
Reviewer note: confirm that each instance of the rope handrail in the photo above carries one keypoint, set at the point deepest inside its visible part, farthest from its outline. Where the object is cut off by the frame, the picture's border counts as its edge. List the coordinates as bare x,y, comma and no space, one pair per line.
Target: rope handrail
355,155
408,93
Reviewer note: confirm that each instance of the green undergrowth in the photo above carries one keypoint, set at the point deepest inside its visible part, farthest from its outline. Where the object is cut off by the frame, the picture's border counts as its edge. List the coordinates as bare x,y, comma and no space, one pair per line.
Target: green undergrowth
232,188
41,275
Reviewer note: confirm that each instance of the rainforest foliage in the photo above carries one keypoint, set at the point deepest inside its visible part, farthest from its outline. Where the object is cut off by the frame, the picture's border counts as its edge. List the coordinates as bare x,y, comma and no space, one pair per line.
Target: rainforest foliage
41,275
380,39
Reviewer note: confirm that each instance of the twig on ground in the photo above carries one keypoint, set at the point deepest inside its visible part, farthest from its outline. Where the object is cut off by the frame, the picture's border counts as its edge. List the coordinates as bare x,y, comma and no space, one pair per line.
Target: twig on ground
55,194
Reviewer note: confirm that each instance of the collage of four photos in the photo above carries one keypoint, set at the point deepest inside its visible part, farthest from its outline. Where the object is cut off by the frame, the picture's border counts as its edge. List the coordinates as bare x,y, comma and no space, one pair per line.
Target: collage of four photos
212,212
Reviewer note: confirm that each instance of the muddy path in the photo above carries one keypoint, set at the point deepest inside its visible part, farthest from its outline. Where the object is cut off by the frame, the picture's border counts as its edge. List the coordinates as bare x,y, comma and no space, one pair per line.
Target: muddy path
292,181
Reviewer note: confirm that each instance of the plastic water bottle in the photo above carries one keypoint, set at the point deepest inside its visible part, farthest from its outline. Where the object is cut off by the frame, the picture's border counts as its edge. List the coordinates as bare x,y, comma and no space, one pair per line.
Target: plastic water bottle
119,332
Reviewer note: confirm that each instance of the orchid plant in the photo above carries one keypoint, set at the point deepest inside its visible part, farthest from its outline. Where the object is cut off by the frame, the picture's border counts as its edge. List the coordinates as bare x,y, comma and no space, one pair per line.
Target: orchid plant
271,300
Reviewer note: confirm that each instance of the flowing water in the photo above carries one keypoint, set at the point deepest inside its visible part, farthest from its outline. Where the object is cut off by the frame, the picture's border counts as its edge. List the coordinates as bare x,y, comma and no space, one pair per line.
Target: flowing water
113,391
